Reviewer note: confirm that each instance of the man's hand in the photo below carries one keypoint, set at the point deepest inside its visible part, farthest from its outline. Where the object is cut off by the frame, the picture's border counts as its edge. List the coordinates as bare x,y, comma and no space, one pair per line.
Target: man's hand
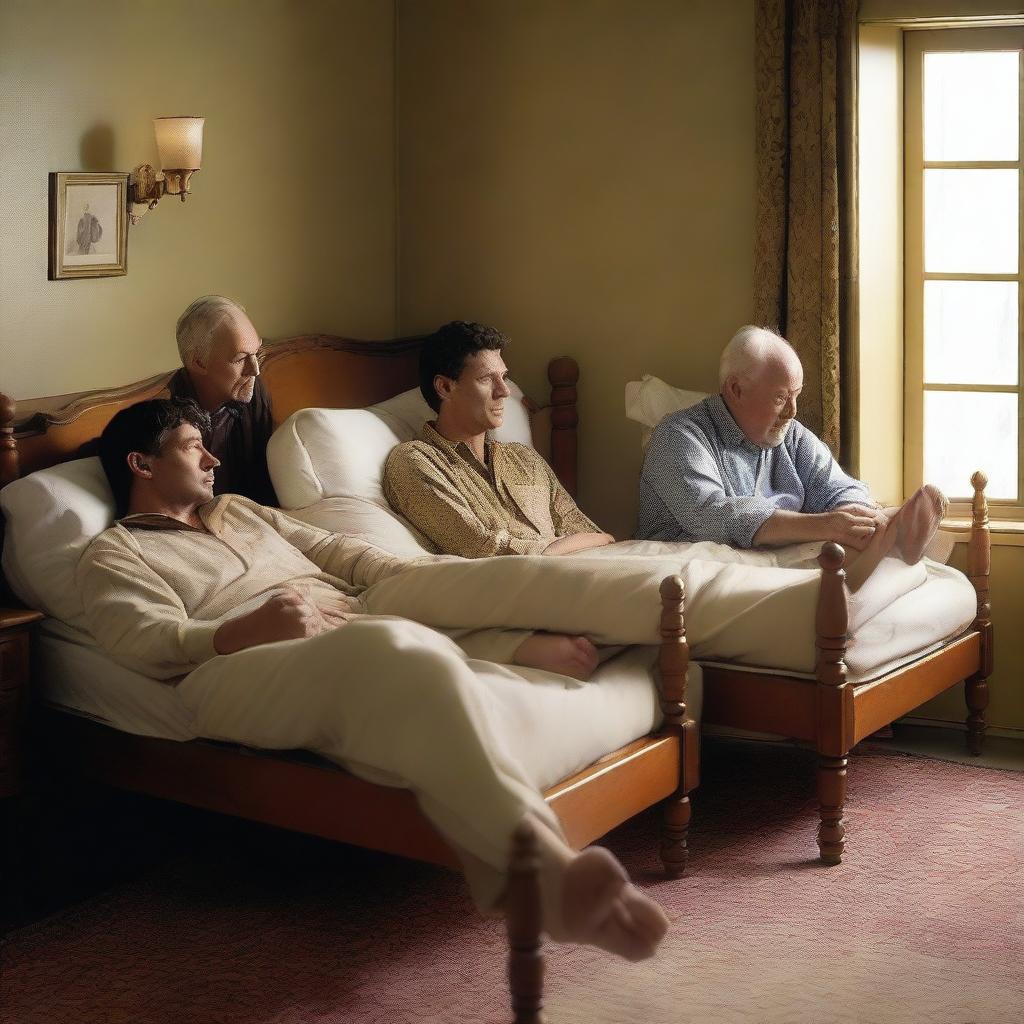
578,542
853,526
285,616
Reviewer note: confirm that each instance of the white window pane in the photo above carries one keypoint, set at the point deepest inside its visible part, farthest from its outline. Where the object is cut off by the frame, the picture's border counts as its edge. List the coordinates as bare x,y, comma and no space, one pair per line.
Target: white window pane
970,332
970,221
967,431
970,106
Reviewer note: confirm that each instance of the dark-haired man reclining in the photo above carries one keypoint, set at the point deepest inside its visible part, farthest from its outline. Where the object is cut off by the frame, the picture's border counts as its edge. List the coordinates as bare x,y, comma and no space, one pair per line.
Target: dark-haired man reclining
472,496
255,614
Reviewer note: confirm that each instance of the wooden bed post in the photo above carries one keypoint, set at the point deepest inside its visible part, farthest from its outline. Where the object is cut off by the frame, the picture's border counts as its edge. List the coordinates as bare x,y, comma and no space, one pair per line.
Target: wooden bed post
673,661
979,563
523,920
10,468
562,375
831,627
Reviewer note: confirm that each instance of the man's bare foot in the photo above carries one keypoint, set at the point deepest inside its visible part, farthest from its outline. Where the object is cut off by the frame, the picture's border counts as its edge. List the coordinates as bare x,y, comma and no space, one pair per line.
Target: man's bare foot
593,903
918,520
573,656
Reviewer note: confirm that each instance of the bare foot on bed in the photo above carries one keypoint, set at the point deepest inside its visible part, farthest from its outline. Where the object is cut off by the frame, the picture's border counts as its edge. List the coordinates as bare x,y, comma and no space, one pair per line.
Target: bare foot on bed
918,520
573,656
593,903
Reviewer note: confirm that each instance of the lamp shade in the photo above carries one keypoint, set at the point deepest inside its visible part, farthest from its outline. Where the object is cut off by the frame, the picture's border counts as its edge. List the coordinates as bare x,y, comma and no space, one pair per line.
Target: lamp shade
179,141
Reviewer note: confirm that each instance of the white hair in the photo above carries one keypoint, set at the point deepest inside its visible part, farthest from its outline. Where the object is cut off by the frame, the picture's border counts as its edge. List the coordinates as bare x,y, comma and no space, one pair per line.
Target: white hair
198,324
748,350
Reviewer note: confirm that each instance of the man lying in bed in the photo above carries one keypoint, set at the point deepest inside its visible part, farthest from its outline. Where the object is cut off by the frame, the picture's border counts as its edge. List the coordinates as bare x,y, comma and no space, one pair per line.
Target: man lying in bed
472,496
739,469
253,614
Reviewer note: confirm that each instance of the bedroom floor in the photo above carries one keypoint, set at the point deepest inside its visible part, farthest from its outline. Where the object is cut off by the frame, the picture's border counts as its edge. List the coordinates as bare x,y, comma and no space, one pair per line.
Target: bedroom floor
242,924
949,745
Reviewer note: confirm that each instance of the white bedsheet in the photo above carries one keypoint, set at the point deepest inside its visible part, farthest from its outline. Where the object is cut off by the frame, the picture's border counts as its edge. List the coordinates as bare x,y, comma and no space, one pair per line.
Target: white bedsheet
618,705
747,612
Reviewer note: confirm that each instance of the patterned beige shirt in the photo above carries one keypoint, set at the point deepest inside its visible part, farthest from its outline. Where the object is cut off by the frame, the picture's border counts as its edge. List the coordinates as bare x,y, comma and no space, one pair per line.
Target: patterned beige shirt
512,505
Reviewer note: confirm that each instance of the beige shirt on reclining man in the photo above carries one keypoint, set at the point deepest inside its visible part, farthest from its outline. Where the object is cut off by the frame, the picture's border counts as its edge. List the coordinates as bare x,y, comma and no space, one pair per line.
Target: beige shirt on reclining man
512,505
156,590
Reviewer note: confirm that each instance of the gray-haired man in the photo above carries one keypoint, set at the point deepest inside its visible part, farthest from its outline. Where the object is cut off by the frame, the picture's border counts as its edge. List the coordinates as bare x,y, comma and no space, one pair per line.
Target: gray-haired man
739,469
219,350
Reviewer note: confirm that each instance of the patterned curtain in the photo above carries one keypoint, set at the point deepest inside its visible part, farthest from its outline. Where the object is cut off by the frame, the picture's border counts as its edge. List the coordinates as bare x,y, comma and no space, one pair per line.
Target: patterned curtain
805,260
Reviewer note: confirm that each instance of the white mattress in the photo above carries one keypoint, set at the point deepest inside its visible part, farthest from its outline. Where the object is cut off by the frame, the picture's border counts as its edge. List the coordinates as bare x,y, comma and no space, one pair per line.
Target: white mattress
618,705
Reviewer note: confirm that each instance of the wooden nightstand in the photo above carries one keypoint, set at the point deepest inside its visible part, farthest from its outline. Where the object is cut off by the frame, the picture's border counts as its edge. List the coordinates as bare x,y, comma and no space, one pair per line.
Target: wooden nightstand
15,626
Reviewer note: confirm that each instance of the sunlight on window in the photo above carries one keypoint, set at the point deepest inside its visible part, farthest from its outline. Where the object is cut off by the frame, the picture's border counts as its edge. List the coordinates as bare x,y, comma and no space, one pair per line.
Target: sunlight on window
970,221
964,430
970,332
970,106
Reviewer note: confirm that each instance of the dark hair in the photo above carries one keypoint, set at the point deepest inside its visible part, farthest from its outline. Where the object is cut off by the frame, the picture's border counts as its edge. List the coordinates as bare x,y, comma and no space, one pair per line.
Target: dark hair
445,352
142,428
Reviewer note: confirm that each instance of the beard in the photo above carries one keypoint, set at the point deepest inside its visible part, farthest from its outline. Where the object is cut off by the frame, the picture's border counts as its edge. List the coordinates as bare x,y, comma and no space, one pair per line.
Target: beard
776,435
244,391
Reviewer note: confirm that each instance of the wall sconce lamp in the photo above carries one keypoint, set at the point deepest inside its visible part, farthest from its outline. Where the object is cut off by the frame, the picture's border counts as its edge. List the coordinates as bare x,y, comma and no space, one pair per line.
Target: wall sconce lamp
179,143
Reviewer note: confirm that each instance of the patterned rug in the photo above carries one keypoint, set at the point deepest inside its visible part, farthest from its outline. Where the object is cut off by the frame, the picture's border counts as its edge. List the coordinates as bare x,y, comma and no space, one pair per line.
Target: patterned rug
922,923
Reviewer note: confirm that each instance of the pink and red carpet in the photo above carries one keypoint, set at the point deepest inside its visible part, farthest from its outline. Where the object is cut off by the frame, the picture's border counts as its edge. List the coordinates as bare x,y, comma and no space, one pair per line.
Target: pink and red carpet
921,923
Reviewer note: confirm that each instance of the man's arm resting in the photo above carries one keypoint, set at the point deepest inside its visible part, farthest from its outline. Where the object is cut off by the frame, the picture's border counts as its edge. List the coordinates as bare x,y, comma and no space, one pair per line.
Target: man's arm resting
578,542
286,616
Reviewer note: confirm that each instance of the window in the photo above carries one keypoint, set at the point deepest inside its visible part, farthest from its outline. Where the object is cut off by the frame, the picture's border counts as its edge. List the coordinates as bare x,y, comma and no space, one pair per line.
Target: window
963,262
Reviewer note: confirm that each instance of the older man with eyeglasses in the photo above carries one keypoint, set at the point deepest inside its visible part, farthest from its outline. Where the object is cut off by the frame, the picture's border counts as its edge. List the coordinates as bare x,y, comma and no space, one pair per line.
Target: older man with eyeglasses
220,372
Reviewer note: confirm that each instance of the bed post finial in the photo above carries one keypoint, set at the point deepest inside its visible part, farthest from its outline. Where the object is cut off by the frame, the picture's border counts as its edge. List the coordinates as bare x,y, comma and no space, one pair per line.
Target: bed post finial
523,920
831,625
673,662
563,375
10,466
979,564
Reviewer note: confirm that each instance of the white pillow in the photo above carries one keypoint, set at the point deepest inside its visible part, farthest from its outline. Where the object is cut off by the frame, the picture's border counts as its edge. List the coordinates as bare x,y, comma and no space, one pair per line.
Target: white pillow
52,517
650,399
340,453
366,520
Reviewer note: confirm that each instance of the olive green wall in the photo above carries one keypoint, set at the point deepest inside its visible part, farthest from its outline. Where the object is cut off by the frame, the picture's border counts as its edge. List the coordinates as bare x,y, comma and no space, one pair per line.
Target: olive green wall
581,174
292,213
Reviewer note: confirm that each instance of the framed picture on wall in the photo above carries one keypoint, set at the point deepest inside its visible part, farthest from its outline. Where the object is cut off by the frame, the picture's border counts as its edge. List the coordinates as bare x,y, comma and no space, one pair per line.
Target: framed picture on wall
88,224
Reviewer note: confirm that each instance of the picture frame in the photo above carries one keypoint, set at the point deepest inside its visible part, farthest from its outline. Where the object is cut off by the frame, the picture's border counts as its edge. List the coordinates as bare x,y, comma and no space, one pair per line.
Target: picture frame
88,224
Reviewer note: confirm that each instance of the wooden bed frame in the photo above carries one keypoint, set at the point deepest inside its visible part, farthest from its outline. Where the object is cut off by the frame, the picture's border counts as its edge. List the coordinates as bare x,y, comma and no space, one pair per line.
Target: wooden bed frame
833,713
307,794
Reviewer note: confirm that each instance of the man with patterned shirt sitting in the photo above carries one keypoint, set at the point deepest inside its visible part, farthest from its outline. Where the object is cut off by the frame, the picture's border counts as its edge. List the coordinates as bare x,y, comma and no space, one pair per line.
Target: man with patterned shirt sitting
739,469
469,495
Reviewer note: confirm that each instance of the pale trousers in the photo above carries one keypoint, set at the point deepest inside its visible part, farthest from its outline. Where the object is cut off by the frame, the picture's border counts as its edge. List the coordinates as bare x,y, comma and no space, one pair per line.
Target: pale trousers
397,704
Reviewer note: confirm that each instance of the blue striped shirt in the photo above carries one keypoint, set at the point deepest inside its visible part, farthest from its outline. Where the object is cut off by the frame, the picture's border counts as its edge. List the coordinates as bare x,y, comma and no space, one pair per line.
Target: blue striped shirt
703,480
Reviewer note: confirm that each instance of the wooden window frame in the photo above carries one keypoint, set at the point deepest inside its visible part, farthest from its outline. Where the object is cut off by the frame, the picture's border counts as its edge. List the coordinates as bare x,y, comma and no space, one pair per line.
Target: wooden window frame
916,44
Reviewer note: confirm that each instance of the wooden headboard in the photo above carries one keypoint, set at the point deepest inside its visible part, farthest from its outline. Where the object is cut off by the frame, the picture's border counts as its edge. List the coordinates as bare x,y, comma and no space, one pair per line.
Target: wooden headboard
310,370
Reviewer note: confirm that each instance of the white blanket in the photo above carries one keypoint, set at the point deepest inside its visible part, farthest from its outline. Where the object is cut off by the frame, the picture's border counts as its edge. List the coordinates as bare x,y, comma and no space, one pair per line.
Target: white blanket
743,610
